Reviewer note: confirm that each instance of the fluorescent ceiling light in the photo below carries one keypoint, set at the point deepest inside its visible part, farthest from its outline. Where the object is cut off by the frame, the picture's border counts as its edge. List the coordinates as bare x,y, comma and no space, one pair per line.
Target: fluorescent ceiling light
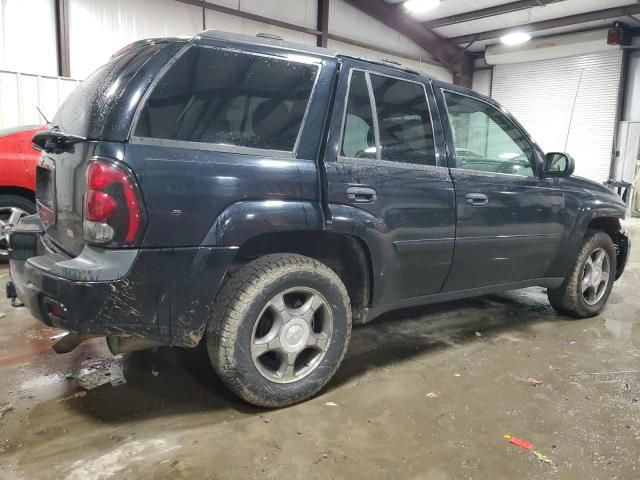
420,6
515,38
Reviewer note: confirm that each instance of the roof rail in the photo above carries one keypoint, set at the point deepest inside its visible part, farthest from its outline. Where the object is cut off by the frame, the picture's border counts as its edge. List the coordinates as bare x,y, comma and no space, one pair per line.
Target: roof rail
269,35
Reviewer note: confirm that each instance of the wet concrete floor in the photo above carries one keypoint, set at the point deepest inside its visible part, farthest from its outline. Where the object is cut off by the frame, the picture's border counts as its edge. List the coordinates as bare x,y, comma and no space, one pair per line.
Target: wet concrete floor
420,395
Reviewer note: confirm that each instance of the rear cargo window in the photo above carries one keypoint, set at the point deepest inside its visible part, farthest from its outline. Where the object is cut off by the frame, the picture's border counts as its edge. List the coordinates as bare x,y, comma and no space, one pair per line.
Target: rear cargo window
86,109
229,98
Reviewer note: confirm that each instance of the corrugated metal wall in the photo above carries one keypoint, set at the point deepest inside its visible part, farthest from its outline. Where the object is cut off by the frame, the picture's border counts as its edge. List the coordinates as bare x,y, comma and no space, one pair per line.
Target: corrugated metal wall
567,104
98,28
21,93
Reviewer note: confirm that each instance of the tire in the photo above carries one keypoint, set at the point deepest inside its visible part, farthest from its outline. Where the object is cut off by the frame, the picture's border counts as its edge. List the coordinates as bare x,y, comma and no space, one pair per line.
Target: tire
253,311
569,297
20,204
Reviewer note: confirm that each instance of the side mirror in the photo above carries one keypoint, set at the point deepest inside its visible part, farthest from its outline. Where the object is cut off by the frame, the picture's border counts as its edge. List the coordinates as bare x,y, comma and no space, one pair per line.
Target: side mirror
558,164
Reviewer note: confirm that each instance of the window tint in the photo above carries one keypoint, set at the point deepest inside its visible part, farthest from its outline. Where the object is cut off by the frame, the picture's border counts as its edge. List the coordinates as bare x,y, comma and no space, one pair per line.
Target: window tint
404,122
359,137
230,98
485,139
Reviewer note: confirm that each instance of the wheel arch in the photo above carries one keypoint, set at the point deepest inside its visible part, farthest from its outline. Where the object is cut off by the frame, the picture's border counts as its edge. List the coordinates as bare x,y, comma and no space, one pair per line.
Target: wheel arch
20,192
346,255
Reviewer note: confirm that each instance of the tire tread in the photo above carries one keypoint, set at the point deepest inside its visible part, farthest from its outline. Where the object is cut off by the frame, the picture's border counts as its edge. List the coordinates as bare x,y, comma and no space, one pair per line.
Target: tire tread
227,315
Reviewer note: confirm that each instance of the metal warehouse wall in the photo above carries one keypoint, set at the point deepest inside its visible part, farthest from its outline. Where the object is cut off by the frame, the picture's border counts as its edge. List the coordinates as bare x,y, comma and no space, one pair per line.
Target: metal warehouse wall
567,104
98,28
21,93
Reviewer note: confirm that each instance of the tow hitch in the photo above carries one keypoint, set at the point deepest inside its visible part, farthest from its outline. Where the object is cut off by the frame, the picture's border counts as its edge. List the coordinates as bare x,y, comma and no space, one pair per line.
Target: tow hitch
10,289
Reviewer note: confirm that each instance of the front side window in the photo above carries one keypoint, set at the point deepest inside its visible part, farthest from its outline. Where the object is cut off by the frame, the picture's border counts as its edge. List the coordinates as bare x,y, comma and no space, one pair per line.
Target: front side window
485,140
229,98
400,132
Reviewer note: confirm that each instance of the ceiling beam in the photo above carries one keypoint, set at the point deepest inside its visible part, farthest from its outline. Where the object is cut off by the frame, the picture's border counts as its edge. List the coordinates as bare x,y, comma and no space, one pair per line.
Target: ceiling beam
488,12
451,56
596,15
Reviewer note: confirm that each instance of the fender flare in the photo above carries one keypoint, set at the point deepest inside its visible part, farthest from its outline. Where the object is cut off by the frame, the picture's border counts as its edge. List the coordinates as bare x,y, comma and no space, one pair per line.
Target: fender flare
587,212
244,220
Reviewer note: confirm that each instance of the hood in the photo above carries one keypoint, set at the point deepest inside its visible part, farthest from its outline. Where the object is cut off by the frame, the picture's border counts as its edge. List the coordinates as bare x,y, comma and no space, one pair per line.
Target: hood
595,189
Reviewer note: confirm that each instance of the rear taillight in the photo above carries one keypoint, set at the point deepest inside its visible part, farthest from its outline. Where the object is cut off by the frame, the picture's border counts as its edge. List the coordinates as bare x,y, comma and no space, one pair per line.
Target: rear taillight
113,209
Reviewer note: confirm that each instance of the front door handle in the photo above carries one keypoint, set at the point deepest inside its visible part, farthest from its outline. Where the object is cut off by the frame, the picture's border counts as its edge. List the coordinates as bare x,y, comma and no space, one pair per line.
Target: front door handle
361,194
477,199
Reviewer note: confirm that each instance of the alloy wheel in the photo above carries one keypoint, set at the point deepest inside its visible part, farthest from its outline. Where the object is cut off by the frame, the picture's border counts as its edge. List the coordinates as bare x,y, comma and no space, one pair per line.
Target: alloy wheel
595,276
8,216
291,335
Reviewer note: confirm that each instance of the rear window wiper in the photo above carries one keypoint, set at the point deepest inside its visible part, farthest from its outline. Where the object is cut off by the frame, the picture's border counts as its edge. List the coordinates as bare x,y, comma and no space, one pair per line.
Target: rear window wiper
55,141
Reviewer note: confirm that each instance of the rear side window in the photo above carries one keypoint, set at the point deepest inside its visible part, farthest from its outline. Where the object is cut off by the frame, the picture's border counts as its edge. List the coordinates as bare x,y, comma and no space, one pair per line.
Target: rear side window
401,130
359,132
229,98
406,134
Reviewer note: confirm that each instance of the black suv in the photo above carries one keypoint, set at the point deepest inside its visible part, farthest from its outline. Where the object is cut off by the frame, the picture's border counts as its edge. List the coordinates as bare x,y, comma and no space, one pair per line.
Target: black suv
263,196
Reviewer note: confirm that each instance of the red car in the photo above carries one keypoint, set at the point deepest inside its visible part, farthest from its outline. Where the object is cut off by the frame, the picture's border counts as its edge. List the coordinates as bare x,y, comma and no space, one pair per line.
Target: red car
17,177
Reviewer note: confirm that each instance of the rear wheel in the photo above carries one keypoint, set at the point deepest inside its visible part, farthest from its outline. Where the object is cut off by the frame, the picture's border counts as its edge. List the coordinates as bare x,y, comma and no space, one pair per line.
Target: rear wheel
279,329
12,209
586,290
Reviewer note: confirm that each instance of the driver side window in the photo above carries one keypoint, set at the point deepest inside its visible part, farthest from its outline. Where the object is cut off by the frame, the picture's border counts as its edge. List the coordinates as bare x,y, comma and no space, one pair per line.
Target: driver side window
485,140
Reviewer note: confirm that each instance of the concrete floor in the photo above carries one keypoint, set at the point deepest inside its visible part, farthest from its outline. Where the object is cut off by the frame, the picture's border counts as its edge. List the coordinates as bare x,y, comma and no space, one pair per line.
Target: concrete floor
420,395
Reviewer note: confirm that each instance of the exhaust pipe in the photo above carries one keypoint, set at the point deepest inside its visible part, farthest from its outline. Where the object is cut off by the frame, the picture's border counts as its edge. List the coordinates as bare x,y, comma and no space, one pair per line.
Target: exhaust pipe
69,342
118,345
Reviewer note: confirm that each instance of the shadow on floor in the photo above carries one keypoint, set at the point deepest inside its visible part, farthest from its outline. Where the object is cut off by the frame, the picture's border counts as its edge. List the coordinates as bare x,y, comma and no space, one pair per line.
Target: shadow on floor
186,382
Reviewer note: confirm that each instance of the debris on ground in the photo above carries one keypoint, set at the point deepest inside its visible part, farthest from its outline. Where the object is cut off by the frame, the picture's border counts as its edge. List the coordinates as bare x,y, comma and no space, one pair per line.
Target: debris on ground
2,314
541,457
7,407
118,381
533,382
155,373
576,384
80,394
477,334
94,379
331,404
433,394
521,442
90,377
457,375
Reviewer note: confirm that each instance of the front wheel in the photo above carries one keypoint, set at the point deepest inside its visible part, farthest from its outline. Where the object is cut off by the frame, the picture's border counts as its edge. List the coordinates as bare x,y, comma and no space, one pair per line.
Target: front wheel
586,289
279,329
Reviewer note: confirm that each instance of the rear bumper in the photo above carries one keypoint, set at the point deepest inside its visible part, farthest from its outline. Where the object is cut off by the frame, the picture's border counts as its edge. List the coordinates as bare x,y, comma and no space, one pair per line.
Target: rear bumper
160,294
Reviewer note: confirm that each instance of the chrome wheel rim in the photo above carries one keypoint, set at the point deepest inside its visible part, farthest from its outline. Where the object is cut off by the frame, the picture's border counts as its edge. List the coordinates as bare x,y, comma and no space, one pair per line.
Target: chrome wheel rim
8,216
291,335
595,276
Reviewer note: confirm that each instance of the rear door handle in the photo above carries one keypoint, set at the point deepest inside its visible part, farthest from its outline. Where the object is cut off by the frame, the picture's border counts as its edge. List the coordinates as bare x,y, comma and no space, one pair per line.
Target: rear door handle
477,199
361,195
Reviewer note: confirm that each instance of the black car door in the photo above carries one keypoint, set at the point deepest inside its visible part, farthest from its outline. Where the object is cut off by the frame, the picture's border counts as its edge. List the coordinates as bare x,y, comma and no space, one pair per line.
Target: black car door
388,183
509,220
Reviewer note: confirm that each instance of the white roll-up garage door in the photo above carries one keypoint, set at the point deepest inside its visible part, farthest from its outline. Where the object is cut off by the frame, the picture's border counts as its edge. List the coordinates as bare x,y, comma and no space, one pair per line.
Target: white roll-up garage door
566,104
